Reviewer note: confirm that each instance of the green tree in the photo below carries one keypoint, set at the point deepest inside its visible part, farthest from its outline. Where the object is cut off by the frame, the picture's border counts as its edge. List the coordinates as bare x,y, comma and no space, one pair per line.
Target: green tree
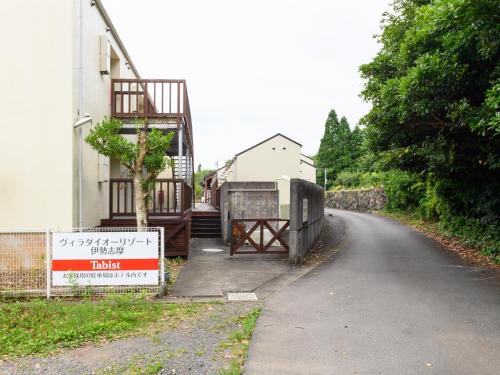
435,93
338,149
145,159
198,182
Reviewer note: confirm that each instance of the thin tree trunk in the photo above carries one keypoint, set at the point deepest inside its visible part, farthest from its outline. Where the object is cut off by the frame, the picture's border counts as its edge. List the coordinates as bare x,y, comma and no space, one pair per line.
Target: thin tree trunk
140,202
139,183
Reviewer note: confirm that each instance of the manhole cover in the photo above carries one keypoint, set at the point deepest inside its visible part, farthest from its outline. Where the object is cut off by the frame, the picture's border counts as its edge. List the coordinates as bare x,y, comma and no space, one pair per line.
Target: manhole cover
241,297
213,250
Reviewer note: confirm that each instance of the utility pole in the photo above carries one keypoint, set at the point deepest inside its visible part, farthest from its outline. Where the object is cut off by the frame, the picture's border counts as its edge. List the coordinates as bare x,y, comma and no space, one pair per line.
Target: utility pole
325,180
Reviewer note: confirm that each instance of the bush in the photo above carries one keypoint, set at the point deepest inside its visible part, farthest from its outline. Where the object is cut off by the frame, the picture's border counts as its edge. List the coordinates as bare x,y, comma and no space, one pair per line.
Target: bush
348,179
432,205
355,180
404,190
483,234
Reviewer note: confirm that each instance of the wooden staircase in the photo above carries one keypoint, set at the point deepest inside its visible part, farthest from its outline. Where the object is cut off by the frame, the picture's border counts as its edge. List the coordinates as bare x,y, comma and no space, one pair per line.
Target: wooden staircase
206,224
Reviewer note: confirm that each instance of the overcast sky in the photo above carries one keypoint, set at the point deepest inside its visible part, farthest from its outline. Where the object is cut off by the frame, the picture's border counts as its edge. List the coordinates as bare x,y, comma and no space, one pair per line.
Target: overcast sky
254,68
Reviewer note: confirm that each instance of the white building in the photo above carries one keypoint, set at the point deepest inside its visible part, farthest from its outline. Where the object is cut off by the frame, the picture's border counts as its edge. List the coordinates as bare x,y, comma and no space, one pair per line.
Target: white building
59,59
277,159
52,53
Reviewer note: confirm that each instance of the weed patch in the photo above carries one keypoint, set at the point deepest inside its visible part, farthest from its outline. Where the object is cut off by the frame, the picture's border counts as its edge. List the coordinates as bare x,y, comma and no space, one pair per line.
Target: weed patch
236,346
174,266
39,327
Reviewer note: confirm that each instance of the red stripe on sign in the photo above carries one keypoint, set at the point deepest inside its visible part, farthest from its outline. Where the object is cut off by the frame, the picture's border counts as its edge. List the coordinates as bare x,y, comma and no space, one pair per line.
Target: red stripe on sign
105,264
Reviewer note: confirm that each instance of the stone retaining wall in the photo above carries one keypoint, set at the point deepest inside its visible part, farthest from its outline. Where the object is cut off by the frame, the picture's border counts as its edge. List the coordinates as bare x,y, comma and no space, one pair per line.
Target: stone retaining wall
357,200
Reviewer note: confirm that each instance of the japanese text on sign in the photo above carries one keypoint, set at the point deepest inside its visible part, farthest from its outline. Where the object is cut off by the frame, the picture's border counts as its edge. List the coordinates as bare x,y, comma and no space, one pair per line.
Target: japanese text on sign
105,258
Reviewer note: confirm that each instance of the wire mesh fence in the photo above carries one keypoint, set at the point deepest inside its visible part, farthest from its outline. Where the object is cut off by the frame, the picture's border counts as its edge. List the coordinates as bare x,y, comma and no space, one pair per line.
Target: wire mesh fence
23,265
82,261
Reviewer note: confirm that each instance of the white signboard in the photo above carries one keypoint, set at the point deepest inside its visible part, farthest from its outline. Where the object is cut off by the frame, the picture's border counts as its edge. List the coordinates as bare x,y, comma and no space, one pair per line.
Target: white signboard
105,258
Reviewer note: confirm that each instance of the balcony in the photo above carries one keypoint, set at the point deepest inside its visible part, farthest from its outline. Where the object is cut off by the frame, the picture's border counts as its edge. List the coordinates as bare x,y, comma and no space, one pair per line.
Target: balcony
158,100
170,198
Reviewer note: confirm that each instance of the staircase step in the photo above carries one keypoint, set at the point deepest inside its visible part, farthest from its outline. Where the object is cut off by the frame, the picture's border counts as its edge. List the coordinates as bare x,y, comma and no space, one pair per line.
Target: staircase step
203,218
205,225
213,229
206,235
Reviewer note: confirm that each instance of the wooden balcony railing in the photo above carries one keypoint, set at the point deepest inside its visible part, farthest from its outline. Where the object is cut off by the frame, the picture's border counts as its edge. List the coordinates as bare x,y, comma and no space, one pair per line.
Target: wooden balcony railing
170,197
152,98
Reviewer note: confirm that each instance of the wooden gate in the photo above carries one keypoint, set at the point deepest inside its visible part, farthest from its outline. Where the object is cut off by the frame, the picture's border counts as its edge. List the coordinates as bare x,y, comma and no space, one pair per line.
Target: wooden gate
242,240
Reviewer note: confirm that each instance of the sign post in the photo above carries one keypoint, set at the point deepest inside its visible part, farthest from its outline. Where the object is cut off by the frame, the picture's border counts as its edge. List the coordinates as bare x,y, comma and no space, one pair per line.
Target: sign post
48,270
162,257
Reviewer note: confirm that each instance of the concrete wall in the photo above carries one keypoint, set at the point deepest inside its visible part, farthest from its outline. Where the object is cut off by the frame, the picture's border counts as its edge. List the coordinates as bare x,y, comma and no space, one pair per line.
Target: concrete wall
247,200
357,200
306,217
43,98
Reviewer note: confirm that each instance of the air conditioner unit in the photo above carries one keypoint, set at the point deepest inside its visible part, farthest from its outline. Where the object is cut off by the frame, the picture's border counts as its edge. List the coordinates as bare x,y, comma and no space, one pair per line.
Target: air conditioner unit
105,56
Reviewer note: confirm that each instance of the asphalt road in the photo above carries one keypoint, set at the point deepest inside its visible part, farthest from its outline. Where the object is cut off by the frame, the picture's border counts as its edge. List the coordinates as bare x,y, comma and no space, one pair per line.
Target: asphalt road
391,301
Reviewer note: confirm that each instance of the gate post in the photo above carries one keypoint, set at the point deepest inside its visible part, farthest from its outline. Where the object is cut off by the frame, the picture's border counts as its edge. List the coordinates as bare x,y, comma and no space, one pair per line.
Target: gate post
162,257
295,222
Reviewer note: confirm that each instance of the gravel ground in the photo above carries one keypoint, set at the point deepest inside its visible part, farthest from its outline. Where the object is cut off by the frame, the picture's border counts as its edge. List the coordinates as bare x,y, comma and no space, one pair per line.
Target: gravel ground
190,348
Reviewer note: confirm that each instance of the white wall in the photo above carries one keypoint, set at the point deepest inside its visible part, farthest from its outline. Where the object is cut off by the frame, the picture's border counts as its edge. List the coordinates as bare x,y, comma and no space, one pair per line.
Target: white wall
36,113
97,104
307,171
40,104
268,161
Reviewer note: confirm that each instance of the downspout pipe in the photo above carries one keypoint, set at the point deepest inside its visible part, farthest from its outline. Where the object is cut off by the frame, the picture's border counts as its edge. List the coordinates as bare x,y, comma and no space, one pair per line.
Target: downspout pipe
81,88
79,125
82,119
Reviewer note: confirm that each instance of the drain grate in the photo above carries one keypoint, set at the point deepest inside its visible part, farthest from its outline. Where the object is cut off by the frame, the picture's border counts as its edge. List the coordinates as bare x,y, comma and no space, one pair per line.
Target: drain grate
241,297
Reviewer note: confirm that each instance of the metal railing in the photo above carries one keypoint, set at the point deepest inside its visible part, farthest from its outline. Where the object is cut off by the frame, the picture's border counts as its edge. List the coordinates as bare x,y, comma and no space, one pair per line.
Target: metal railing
169,197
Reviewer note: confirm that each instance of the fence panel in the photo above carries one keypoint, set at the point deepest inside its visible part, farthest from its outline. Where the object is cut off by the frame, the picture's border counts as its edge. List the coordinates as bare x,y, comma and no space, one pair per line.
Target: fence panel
258,236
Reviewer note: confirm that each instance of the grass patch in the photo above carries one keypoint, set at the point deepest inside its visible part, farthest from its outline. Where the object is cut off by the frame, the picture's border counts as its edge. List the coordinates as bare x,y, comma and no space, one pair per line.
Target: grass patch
237,343
39,327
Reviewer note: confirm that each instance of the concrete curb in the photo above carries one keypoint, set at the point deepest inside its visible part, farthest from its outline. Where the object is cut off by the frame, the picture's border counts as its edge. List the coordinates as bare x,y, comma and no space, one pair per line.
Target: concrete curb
195,299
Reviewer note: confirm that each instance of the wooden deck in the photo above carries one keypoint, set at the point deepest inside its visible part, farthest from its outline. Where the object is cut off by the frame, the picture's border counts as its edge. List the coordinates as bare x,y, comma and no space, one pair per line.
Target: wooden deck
177,231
